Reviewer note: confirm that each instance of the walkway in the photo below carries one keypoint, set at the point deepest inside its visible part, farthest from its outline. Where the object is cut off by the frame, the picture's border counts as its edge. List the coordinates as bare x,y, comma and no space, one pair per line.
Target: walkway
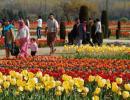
45,51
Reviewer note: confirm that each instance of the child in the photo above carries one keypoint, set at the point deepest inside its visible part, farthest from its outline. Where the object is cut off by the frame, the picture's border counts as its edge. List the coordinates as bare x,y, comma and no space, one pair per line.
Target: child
33,47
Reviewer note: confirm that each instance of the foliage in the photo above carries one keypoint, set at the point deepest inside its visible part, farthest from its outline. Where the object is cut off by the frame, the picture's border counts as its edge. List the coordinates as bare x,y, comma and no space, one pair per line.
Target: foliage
84,14
124,19
104,21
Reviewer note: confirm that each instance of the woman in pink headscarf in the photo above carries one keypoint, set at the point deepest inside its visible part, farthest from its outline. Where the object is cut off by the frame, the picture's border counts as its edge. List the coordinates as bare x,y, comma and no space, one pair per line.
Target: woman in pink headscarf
24,36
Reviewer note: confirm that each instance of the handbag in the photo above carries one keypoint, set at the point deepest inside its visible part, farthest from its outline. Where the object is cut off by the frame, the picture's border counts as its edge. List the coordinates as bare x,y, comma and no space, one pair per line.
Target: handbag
14,50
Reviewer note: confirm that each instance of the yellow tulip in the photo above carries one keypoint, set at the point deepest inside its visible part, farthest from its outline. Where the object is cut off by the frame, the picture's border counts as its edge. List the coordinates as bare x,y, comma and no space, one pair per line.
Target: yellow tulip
91,78
29,88
49,85
127,87
115,87
1,75
97,91
1,81
4,78
20,88
6,84
101,83
85,90
66,85
95,98
119,80
13,81
19,76
24,72
58,83
38,88
59,88
80,89
58,93
39,74
31,75
8,78
12,73
97,78
108,84
16,93
66,77
1,90
78,82
20,83
125,94
119,93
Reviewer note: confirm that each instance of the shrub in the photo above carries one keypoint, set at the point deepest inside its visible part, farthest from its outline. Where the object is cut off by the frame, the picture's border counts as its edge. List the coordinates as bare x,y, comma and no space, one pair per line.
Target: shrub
83,13
104,21
124,19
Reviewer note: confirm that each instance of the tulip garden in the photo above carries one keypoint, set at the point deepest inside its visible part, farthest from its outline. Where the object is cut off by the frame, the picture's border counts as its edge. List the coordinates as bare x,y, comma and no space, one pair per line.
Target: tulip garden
79,73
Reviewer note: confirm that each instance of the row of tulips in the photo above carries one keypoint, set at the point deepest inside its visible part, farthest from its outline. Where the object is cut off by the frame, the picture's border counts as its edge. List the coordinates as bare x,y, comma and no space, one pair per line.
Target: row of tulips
36,86
104,51
126,34
59,62
57,66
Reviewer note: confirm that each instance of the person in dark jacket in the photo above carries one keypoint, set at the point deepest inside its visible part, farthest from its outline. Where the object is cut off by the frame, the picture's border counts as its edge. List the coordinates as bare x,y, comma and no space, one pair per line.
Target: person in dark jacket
73,34
93,29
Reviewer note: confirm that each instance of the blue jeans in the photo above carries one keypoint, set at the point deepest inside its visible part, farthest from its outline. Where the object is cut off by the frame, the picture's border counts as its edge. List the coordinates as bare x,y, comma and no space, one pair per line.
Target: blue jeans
39,32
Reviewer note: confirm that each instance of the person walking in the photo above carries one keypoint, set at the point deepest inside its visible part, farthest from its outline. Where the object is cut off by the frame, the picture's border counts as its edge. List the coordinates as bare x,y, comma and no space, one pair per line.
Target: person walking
24,36
93,29
74,32
27,22
33,46
98,32
52,31
39,27
81,31
8,35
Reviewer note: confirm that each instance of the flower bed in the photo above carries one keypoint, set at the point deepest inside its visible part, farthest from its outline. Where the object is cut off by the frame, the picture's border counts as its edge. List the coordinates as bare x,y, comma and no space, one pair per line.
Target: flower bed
37,86
57,66
47,77
105,51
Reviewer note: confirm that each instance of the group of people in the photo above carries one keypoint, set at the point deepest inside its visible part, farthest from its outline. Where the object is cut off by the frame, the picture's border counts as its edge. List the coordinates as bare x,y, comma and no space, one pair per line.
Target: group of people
83,31
23,36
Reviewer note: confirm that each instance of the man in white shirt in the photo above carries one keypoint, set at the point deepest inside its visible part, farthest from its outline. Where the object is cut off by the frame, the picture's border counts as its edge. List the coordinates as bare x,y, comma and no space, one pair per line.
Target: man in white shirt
52,28
98,32
39,27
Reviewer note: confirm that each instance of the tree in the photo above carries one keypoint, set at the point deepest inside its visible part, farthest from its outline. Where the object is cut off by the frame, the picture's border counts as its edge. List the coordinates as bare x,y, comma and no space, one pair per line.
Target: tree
104,21
84,14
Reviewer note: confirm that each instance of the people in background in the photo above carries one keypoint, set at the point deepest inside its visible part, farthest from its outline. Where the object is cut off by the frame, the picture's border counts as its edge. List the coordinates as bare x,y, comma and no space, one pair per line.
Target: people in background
81,31
33,46
39,27
62,30
98,32
93,29
23,36
8,35
27,22
73,34
87,34
13,28
52,31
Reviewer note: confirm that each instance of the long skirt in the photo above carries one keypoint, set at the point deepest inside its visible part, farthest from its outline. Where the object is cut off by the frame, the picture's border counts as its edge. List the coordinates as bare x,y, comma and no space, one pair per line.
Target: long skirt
23,47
